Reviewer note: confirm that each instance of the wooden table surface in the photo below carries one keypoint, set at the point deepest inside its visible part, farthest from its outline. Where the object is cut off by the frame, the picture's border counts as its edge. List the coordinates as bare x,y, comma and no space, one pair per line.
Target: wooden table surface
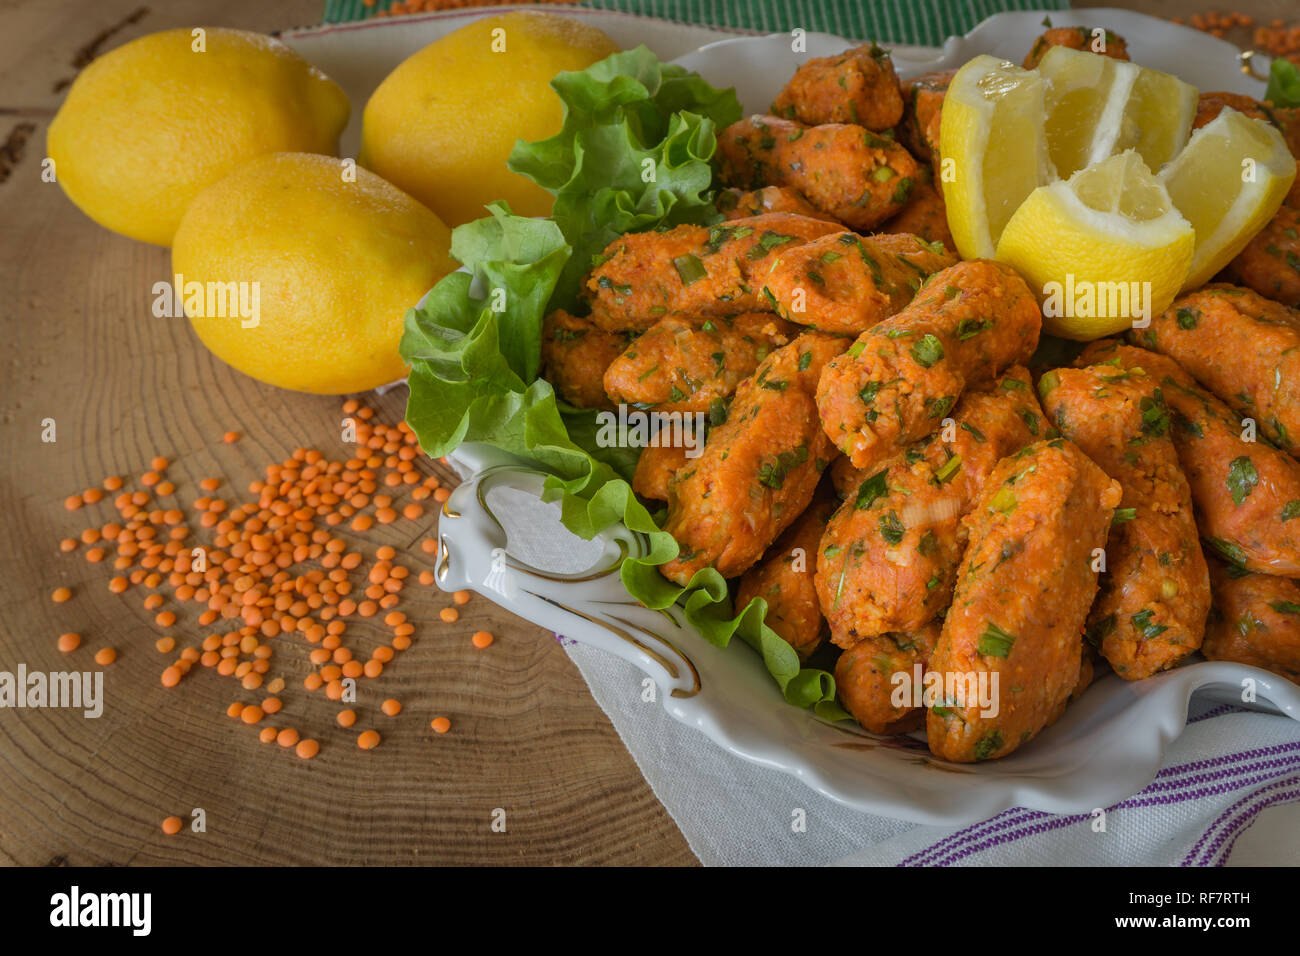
123,386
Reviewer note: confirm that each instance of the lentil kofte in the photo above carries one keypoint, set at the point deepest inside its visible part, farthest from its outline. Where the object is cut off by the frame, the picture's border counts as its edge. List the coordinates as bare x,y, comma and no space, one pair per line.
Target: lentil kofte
900,501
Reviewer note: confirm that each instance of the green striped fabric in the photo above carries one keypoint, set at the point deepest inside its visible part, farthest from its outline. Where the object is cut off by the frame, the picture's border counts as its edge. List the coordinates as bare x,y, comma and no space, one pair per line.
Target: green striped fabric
921,22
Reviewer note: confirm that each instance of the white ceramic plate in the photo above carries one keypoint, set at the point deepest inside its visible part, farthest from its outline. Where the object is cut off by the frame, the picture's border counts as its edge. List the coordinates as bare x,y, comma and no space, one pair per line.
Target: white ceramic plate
498,539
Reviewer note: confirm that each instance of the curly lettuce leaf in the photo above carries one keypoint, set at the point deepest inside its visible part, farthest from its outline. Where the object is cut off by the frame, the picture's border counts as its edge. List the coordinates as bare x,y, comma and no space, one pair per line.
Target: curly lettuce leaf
474,344
631,88
706,601
633,154
1283,83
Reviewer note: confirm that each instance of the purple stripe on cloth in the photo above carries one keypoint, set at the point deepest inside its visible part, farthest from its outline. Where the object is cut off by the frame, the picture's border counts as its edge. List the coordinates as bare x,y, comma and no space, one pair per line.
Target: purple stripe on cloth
1158,786
1056,823
1006,818
1245,821
994,832
1228,758
1226,814
1014,815
1218,712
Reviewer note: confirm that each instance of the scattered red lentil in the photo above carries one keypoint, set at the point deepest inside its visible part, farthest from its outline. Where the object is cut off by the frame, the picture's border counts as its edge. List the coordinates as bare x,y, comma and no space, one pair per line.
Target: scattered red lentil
440,725
171,826
392,707
481,639
69,642
271,566
368,739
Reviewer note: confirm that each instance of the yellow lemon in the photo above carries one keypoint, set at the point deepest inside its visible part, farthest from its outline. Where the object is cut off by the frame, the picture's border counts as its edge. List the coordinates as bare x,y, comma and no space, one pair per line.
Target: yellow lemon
1105,248
1229,182
1098,106
993,150
441,125
147,126
298,269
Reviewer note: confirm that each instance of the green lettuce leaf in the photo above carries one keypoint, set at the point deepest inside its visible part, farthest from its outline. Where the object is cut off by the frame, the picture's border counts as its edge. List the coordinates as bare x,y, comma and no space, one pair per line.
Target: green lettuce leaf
1283,83
474,344
633,154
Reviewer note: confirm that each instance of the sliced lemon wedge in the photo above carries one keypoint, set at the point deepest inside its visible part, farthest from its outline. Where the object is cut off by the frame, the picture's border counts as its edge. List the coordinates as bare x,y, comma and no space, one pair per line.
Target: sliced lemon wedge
1229,182
1097,106
985,177
1106,249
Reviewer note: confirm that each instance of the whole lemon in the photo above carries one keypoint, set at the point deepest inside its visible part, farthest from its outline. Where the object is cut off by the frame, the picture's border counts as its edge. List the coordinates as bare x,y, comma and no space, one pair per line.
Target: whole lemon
150,124
441,125
298,269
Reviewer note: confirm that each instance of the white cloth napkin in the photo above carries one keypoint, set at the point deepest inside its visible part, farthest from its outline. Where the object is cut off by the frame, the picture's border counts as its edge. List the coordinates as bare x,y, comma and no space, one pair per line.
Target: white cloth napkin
1229,793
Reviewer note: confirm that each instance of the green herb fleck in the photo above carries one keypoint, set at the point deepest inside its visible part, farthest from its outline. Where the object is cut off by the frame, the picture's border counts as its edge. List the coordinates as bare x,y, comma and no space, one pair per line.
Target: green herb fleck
871,489
1123,515
988,745
1142,621
927,351
995,642
1242,479
969,328
690,268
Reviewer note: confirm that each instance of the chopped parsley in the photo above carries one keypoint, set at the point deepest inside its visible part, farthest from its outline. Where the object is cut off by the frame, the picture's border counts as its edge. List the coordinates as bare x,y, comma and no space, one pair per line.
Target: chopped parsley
995,642
1142,621
927,351
773,474
969,328
988,745
891,529
871,489
1242,479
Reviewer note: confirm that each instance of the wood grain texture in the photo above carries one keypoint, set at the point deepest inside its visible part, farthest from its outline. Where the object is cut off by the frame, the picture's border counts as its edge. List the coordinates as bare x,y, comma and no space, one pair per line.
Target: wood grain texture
83,348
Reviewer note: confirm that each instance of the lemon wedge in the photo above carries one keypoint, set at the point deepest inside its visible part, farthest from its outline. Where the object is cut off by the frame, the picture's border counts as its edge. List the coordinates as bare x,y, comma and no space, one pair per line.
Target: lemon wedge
985,177
1106,249
1229,182
1097,106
